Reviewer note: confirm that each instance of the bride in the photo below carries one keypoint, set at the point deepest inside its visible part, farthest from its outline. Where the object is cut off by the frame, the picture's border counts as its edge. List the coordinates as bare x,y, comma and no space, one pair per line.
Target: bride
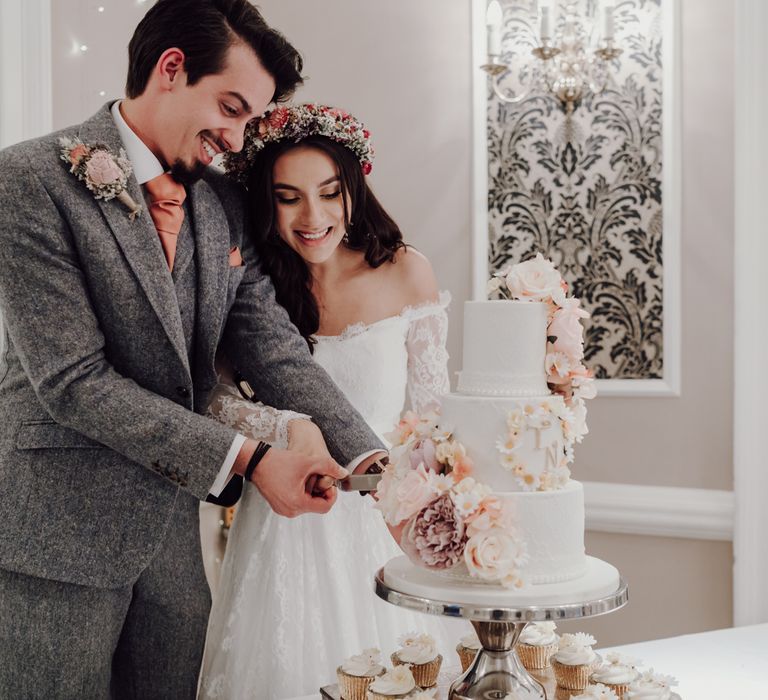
295,596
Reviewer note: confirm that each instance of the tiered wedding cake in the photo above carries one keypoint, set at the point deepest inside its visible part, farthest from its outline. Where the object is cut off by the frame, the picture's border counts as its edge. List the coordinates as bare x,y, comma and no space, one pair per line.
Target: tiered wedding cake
490,514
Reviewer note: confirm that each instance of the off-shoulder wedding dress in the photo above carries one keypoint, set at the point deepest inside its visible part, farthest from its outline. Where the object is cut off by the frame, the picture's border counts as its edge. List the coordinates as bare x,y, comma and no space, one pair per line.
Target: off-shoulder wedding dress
295,596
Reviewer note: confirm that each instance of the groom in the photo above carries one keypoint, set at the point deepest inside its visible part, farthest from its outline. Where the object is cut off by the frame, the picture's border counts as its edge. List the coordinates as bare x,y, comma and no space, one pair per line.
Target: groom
111,324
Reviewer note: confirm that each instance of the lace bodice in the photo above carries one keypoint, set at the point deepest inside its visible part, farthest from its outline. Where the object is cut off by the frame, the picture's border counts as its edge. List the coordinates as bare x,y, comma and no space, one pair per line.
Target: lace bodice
381,367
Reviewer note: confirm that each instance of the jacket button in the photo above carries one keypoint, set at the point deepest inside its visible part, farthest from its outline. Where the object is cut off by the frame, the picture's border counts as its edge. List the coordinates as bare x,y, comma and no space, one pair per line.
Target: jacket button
182,391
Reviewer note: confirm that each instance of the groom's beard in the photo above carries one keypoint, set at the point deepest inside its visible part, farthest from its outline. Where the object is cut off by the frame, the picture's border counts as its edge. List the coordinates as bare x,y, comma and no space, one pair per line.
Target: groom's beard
187,174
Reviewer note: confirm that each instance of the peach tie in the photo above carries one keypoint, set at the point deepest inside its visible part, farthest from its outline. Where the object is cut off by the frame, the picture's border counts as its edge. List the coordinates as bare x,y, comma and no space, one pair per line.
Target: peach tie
166,197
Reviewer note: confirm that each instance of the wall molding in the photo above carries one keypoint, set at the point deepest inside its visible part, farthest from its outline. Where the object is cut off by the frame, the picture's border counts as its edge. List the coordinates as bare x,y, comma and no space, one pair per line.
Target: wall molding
750,412
25,70
659,511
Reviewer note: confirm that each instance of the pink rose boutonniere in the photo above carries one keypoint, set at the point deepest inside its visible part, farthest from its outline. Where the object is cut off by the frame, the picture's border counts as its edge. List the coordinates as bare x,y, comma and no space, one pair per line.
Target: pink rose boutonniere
104,174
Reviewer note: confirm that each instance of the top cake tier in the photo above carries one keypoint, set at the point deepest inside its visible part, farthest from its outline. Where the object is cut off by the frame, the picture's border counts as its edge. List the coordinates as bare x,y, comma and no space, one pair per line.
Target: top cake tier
505,344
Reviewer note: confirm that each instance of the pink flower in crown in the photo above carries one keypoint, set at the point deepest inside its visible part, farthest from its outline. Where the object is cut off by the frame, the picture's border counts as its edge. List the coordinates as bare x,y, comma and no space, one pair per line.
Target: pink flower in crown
367,167
424,452
101,169
340,113
567,329
413,493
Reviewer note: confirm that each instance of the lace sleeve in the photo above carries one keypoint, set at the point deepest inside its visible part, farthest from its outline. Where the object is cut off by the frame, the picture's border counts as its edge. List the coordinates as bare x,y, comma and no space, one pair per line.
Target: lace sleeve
252,419
427,355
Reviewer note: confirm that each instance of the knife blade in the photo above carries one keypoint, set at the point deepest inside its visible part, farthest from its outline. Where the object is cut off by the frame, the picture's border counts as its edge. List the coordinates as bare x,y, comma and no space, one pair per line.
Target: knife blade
359,482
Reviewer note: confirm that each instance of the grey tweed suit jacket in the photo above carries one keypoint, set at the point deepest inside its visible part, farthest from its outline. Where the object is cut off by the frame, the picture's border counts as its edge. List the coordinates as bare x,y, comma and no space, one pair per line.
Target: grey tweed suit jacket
100,410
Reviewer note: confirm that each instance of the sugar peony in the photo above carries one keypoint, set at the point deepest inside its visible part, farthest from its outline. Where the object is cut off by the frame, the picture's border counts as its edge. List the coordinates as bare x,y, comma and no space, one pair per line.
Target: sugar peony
435,537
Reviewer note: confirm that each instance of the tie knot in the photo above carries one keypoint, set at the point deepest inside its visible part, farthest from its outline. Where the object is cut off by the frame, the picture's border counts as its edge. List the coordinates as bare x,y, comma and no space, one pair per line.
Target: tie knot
164,187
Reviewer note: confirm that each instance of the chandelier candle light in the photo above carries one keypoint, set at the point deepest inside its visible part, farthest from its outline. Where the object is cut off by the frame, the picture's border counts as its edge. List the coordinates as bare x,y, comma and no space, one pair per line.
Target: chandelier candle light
565,68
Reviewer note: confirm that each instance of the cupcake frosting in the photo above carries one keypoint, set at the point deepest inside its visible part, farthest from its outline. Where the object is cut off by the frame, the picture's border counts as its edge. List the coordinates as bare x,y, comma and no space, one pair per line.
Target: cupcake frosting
651,686
575,649
366,664
417,649
596,692
471,641
423,694
617,669
539,634
397,681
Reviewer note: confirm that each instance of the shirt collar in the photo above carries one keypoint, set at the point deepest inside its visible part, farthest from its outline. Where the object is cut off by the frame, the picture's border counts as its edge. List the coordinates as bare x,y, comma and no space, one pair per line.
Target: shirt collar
145,164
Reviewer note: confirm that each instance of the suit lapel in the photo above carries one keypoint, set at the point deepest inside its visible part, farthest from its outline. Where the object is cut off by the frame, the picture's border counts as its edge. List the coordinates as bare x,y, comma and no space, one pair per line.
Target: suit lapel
212,250
138,239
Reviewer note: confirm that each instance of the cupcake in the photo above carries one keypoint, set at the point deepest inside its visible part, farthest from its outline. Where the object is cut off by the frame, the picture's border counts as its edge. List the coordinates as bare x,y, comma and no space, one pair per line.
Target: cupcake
357,673
616,672
392,685
596,692
574,661
467,649
428,694
651,686
419,652
537,644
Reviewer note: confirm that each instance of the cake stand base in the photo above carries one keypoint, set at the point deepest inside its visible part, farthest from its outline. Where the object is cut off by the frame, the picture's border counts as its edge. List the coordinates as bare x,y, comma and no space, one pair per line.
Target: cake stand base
496,673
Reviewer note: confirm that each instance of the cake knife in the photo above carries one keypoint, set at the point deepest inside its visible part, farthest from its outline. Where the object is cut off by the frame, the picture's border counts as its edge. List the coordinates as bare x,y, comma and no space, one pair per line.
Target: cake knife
353,482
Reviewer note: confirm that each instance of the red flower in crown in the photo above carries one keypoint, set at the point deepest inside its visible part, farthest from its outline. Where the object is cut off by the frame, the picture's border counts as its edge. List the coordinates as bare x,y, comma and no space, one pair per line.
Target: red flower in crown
278,118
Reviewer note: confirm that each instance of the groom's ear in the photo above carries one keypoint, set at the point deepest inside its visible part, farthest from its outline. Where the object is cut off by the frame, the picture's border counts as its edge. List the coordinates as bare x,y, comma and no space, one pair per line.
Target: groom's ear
170,67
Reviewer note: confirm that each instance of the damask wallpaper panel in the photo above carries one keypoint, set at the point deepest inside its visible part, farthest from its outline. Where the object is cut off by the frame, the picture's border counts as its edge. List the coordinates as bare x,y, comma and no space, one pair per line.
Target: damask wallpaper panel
587,190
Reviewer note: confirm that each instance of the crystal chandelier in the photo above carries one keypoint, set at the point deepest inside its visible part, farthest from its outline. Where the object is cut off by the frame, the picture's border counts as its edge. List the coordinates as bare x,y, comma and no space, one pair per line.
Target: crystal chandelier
566,64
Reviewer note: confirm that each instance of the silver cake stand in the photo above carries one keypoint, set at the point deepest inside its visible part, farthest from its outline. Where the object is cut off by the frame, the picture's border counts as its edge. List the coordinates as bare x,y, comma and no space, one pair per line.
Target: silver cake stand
496,673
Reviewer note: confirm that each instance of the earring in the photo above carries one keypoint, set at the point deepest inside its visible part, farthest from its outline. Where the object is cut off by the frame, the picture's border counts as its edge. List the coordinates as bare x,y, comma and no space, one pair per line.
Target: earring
345,239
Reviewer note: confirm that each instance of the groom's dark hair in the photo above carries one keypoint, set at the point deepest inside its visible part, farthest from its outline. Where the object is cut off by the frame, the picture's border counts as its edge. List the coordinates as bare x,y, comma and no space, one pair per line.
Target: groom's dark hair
205,30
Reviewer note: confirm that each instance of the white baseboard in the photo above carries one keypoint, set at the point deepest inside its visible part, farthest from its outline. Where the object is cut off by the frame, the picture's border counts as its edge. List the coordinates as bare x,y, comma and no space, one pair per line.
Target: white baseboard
660,511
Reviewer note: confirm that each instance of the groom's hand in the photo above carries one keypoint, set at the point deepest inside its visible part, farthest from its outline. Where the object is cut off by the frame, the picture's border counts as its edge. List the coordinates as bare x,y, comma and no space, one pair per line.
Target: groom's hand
285,479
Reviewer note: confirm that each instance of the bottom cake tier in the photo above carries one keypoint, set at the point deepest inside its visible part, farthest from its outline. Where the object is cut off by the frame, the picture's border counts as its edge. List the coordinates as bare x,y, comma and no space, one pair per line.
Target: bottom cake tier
599,580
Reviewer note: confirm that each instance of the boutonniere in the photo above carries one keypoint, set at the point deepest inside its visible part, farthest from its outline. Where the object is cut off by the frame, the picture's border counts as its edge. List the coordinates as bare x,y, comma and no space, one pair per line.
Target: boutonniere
104,173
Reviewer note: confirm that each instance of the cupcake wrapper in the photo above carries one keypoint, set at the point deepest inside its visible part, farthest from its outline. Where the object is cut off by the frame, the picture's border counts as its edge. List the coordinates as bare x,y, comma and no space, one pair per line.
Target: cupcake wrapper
353,687
466,656
572,677
620,689
425,675
535,657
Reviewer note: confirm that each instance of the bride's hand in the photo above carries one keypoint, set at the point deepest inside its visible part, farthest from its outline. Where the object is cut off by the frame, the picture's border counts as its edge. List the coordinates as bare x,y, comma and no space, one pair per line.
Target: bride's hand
305,437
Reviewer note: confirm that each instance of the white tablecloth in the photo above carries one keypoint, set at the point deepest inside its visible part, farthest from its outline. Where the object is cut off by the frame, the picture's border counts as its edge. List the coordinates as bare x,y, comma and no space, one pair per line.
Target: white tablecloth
730,664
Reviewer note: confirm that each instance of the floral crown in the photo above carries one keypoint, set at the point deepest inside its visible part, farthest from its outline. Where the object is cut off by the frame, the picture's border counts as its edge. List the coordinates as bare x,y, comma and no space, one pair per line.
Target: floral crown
295,123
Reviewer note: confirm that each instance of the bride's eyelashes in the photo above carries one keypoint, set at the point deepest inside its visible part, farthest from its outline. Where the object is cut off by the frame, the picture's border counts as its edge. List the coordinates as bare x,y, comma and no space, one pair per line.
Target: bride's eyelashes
294,200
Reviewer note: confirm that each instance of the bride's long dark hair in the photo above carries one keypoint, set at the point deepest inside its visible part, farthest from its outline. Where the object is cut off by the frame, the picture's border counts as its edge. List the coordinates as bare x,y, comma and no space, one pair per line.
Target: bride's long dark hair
369,228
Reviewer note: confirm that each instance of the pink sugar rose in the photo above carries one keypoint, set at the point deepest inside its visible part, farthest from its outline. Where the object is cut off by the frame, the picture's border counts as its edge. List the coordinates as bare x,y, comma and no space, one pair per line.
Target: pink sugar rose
535,279
495,555
568,331
413,493
425,453
101,169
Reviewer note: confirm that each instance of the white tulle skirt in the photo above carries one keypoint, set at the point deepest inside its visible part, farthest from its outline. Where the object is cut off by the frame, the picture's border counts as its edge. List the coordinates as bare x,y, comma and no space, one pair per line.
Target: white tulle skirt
296,598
